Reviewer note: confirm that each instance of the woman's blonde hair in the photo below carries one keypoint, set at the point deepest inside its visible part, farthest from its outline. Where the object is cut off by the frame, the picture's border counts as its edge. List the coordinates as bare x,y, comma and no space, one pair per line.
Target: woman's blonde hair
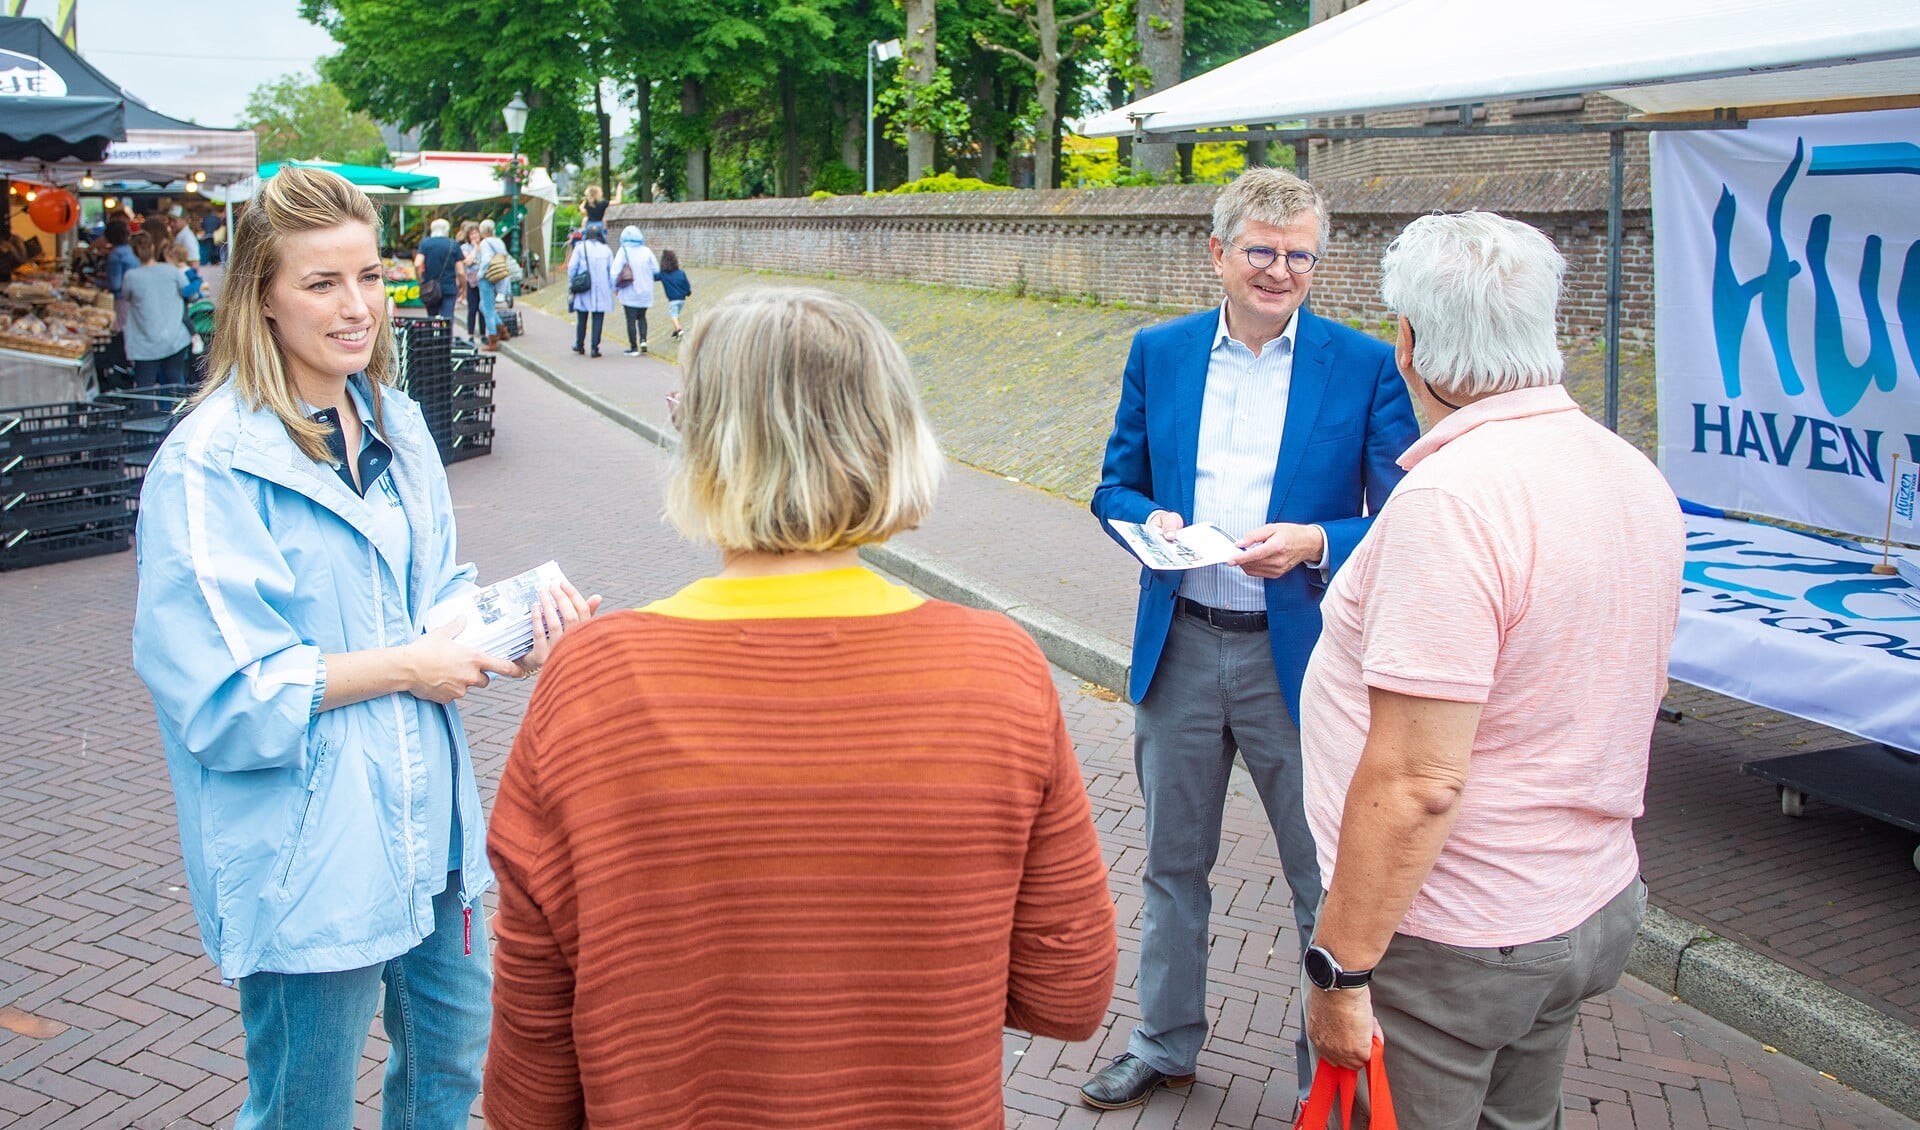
245,350
800,428
593,194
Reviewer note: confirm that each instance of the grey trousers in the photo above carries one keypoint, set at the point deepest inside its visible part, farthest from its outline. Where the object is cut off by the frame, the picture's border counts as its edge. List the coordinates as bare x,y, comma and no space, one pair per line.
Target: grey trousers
1477,1038
1213,692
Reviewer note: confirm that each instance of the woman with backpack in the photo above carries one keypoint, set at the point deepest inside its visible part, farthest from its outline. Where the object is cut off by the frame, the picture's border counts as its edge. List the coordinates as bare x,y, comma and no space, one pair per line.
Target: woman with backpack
590,286
634,268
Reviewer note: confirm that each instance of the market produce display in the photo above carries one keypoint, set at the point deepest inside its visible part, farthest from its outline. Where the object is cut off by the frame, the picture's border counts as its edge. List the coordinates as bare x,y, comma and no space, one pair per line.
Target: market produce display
40,315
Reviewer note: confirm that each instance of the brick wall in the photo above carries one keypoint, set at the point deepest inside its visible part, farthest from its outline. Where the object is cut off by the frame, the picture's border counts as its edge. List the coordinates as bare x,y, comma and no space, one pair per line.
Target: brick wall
1144,246
1414,156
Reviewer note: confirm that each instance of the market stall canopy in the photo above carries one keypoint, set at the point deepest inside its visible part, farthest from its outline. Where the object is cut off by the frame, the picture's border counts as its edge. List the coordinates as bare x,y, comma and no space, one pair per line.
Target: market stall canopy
49,129
468,177
370,177
1656,56
157,149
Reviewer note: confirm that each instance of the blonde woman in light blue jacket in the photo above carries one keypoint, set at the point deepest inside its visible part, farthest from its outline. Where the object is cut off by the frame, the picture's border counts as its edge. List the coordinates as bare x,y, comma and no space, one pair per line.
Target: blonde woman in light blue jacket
294,530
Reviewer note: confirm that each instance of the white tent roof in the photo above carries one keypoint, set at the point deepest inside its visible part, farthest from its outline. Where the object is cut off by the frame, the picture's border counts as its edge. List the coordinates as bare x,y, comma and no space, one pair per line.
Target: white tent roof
466,177
1657,56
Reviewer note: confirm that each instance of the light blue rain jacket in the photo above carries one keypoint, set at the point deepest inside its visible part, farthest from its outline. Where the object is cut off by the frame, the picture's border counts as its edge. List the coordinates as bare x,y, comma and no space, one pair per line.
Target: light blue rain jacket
304,833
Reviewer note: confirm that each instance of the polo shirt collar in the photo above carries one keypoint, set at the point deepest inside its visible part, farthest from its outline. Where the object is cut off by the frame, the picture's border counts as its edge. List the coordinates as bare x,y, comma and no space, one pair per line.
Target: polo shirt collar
1220,333
1516,405
376,457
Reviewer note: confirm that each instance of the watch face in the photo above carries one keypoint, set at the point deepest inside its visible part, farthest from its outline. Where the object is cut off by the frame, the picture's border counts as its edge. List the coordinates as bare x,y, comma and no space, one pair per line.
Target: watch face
1319,966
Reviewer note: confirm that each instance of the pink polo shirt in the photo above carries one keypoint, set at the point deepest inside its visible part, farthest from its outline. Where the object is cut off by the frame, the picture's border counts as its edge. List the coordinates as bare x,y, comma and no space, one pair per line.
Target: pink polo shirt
1529,561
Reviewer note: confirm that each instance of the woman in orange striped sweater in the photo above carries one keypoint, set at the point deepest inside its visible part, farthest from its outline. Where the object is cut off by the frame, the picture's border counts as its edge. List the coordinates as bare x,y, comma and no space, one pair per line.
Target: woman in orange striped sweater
789,847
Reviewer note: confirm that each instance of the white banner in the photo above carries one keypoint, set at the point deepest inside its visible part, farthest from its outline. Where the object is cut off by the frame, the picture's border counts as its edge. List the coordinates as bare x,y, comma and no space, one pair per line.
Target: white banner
1800,624
1787,275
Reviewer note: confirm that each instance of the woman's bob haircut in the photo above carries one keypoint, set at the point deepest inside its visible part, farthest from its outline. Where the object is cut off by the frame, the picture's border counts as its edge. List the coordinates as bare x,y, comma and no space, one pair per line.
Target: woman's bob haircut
800,428
245,351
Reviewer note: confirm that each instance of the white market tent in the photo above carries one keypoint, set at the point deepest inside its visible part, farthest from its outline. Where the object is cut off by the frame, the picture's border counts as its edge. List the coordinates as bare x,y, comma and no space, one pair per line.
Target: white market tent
468,177
1657,56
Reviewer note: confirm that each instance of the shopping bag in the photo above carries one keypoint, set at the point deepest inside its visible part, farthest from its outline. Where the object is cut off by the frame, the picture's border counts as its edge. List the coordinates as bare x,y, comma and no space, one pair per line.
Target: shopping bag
1339,1085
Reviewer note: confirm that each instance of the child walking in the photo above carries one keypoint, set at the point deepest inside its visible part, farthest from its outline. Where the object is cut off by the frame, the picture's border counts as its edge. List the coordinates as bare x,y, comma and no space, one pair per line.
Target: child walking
674,281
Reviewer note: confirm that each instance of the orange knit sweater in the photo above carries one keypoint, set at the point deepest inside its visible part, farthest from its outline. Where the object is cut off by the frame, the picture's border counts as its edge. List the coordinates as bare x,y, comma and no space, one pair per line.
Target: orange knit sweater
789,872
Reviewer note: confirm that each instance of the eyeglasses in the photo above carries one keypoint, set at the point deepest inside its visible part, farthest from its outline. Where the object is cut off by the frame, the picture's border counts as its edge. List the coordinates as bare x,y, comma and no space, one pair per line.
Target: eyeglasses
673,409
1260,258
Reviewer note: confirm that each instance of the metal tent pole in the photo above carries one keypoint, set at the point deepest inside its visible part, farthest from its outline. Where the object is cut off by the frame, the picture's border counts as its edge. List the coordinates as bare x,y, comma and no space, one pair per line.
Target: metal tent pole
1616,189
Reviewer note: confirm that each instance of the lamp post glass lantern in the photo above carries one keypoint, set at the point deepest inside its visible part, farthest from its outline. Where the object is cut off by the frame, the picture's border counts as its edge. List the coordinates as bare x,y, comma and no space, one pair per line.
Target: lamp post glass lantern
515,113
876,50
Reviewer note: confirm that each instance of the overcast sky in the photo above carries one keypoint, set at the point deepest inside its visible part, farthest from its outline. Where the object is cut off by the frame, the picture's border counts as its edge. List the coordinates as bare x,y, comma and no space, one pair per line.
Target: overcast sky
202,62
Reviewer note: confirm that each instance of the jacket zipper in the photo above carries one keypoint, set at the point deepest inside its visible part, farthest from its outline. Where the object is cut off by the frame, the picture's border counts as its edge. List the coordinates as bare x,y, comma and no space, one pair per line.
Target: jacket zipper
306,817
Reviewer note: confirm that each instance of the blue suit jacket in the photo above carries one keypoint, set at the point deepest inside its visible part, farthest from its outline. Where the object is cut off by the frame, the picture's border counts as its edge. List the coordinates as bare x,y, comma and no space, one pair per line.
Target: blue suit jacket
1348,420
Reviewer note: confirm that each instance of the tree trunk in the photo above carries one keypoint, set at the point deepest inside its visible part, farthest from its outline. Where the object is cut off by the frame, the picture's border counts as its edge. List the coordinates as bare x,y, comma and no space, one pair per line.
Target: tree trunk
989,145
853,133
1256,154
693,104
644,91
922,60
603,126
1055,135
1185,149
790,135
1161,28
1116,98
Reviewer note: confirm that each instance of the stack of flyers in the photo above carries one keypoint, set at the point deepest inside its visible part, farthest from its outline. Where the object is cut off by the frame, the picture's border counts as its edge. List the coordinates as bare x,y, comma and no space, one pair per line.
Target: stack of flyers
1190,548
500,616
1909,570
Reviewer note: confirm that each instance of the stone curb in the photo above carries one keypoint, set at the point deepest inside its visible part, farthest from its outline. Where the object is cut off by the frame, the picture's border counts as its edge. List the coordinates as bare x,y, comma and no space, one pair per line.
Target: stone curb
1817,1025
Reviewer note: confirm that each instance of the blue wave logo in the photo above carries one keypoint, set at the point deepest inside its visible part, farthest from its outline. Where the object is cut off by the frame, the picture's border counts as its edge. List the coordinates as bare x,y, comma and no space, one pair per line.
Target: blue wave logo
1841,382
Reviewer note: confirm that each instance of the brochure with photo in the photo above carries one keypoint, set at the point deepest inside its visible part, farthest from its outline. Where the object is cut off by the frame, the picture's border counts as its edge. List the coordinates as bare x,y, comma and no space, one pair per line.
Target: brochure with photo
500,616
1190,548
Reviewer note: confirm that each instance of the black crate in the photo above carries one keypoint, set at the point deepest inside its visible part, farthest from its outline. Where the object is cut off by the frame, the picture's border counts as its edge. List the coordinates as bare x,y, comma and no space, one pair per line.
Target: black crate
19,473
510,322
472,394
67,509
53,429
153,402
474,365
24,549
473,421
466,447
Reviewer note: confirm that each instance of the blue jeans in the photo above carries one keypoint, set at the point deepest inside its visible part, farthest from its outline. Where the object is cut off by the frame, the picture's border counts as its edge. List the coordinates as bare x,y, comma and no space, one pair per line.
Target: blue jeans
305,1033
488,311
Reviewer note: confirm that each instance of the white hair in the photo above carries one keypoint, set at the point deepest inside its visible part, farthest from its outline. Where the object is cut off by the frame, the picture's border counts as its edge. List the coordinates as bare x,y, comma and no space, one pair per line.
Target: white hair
439,227
1479,291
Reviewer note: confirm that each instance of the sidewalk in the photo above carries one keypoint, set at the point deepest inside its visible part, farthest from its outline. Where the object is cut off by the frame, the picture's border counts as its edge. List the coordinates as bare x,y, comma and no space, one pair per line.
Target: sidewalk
99,955
1822,913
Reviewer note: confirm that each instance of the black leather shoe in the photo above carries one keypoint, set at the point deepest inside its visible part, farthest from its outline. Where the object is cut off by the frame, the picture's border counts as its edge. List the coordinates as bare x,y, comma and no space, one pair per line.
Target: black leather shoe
1125,1082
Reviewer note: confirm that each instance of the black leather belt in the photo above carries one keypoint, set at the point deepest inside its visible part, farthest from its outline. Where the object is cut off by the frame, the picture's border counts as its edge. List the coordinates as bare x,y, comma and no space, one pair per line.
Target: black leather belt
1225,619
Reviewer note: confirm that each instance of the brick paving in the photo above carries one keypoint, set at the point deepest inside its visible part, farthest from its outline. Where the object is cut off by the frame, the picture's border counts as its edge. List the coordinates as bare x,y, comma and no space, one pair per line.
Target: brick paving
96,933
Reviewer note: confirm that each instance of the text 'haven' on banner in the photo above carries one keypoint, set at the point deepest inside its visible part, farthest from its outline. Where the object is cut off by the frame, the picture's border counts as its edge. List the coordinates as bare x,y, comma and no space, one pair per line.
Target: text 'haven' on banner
1787,275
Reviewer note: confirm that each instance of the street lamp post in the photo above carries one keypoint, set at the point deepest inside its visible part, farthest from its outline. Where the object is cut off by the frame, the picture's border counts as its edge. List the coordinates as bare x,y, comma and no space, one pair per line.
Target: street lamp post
883,52
515,112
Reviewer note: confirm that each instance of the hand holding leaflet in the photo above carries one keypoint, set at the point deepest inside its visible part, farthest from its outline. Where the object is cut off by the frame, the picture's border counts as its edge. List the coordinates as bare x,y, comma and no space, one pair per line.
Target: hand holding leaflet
499,618
1189,547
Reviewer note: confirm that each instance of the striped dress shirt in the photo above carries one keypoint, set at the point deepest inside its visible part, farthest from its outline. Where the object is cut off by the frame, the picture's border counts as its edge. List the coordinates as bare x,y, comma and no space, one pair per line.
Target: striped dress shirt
1242,415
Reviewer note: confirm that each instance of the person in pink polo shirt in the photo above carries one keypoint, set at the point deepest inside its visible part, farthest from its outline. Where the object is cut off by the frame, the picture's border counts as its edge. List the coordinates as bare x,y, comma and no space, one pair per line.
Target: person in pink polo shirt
1477,713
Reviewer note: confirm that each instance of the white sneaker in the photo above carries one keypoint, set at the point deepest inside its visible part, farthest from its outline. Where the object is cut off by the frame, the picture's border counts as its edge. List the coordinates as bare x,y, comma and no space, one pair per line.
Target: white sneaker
643,347
633,352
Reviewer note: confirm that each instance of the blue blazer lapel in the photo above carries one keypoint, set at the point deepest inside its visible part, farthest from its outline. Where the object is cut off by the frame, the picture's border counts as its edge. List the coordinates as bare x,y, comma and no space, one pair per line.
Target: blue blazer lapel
1190,389
1307,388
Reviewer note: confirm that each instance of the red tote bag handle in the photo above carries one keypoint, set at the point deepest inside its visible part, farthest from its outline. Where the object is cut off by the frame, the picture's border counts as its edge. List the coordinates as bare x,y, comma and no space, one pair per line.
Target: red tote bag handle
1339,1085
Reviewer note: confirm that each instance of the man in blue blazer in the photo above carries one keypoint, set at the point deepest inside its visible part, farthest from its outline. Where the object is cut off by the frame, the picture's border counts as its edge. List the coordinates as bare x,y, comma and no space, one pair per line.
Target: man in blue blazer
1282,428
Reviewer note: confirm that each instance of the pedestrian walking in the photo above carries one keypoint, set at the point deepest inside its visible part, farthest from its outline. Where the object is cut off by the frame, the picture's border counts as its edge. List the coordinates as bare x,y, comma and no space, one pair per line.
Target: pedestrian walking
1280,427
590,286
1478,712
673,280
437,265
494,266
157,337
469,240
295,529
789,847
634,268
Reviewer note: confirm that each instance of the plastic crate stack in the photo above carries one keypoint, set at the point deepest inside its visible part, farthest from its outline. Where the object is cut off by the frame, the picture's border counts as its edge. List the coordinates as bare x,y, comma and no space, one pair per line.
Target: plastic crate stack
151,414
470,433
64,493
511,323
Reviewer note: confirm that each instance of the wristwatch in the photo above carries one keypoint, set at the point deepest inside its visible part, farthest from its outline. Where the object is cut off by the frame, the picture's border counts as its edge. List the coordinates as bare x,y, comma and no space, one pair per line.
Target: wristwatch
1325,973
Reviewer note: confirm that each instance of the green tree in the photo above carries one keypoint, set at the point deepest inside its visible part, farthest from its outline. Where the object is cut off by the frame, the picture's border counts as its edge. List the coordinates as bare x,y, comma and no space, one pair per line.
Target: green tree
1054,38
298,118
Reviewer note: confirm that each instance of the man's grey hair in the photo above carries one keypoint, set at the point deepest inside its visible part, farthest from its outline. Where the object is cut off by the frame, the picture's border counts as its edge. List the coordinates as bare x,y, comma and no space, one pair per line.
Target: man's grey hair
1266,196
439,227
1480,292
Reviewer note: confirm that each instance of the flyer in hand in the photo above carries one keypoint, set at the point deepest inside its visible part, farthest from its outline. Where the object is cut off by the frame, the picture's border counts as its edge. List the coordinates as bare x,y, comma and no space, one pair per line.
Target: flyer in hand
1191,547
500,616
